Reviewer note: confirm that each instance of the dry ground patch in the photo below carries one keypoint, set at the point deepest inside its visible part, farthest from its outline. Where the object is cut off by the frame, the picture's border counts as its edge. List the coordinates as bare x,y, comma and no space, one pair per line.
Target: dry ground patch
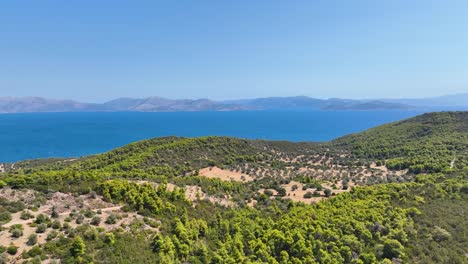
225,175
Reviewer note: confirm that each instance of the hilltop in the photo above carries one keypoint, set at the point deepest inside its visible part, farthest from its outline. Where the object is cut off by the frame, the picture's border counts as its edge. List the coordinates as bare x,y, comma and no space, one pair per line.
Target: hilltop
432,142
391,193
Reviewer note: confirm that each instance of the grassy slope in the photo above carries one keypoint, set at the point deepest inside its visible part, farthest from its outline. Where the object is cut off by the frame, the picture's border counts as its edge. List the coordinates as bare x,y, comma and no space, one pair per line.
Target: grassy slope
426,143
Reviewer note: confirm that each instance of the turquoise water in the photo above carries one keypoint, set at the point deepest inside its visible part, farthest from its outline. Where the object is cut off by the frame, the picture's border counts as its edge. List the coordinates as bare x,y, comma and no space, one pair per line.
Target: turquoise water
41,135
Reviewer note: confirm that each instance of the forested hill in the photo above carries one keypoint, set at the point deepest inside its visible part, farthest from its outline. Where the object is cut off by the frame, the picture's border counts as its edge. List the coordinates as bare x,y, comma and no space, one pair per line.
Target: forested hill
433,142
397,193
171,155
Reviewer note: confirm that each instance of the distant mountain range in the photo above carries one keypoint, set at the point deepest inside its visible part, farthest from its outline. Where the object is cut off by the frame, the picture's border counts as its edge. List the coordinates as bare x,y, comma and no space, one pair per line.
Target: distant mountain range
159,104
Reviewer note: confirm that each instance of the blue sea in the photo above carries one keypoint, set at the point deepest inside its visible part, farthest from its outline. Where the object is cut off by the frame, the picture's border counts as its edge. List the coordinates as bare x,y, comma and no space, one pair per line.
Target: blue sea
42,135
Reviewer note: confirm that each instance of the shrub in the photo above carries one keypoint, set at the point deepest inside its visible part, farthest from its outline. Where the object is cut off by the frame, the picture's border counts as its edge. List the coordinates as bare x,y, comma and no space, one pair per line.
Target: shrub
79,220
56,224
439,234
41,219
53,234
96,220
112,219
33,252
17,233
345,185
5,217
25,215
109,238
41,228
78,247
66,226
54,213
392,249
89,214
281,191
12,250
32,240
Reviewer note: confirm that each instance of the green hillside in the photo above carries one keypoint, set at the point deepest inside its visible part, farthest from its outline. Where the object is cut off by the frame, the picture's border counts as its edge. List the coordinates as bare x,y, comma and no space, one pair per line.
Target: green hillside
417,217
434,142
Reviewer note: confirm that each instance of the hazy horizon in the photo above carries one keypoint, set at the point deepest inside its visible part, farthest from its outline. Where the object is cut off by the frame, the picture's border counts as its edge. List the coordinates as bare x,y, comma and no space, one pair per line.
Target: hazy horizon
230,99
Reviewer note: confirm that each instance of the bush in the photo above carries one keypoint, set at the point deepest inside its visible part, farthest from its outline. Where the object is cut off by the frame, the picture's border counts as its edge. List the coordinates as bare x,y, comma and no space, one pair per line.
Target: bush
12,250
53,234
25,215
4,258
5,217
345,185
41,219
33,252
66,226
79,220
14,207
54,213
112,219
16,233
308,195
89,213
439,234
32,240
96,220
281,191
56,224
392,249
109,238
78,247
41,228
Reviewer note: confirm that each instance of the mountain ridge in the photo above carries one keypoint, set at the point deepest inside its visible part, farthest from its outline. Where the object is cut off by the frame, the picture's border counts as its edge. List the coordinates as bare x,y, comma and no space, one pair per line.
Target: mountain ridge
161,104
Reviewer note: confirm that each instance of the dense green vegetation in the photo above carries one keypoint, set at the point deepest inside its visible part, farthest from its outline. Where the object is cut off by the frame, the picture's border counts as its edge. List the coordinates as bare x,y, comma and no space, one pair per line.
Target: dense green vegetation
367,225
157,159
420,218
441,231
144,198
435,142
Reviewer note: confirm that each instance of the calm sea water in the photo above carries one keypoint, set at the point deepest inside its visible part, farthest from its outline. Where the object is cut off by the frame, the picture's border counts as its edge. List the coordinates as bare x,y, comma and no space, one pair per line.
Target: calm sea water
41,135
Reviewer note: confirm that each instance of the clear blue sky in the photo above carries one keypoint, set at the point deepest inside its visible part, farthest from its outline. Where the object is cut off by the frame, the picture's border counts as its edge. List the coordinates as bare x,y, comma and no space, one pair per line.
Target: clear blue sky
98,50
